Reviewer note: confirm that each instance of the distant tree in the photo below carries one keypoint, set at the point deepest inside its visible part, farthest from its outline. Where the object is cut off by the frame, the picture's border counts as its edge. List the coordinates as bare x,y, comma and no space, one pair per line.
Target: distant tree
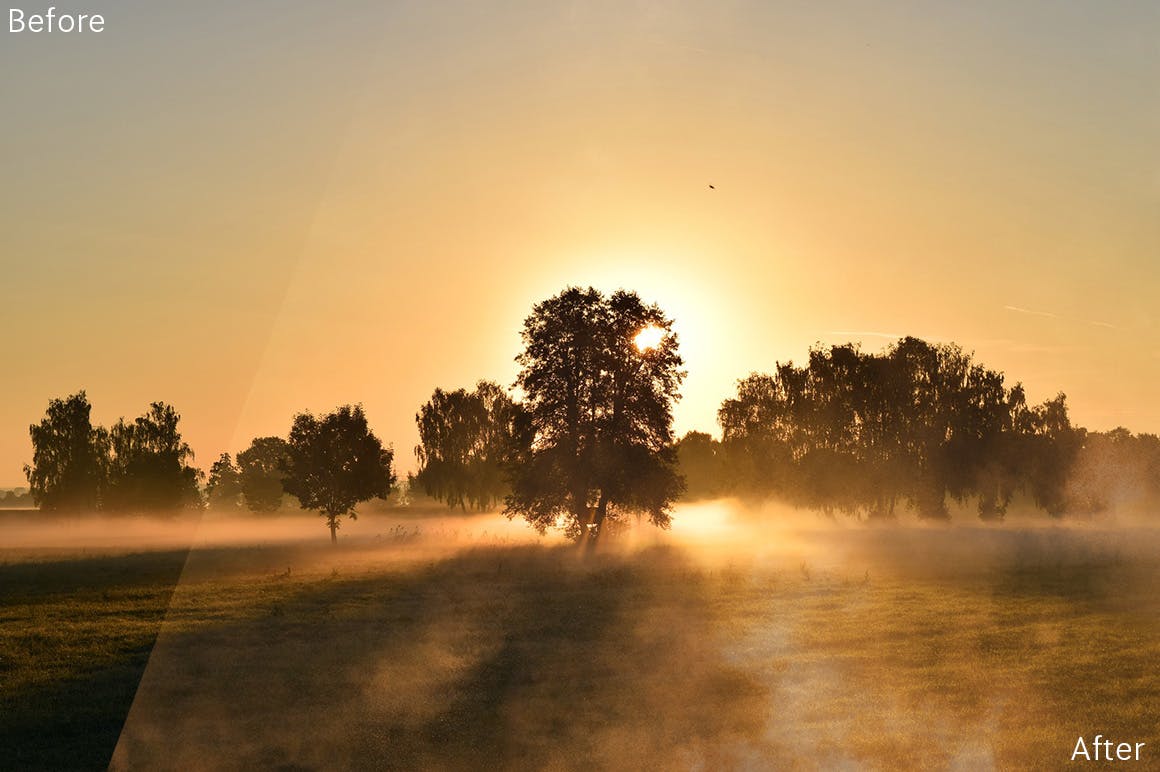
702,463
334,462
466,441
69,457
16,499
999,457
1109,474
148,469
930,418
262,472
760,435
223,490
597,444
1052,447
918,423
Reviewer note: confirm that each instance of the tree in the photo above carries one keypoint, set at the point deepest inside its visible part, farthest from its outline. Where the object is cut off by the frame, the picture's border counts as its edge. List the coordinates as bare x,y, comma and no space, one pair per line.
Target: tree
919,422
466,440
1053,446
223,490
759,434
69,457
335,462
600,375
262,472
702,464
148,469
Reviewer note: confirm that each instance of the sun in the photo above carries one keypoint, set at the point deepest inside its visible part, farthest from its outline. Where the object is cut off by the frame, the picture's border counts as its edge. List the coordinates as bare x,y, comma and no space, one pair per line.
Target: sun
649,338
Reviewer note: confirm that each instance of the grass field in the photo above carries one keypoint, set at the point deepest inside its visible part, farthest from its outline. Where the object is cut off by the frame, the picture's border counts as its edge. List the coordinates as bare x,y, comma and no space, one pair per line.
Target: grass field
719,646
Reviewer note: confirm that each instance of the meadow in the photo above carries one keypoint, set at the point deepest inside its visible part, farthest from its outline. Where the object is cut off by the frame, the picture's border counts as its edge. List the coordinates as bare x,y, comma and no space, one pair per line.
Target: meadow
740,640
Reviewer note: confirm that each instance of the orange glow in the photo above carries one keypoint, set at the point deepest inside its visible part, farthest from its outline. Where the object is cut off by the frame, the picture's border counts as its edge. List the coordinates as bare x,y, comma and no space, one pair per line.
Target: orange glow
319,245
649,338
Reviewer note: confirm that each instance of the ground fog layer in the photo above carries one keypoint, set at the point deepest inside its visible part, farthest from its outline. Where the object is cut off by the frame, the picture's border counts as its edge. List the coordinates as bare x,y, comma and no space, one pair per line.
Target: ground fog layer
467,643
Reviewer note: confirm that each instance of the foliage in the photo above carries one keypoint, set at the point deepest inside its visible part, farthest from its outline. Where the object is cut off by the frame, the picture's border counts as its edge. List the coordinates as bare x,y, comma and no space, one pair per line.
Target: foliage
147,464
466,441
596,445
919,423
20,498
223,490
262,472
69,457
334,462
702,464
138,466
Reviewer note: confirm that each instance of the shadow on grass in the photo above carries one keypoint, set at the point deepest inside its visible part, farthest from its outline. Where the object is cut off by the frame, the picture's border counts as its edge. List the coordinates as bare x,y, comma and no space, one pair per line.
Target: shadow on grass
30,582
65,696
496,658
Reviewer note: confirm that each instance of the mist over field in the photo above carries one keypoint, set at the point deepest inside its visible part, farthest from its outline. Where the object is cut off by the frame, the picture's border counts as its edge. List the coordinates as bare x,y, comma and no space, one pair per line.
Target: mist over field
744,637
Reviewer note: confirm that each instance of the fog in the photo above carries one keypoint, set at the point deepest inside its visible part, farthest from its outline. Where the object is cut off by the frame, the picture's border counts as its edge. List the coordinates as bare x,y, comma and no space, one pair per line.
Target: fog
31,534
744,637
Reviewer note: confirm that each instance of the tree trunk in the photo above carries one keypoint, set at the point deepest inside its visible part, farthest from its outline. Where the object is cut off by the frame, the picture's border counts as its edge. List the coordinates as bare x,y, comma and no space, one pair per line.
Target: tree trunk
333,531
597,522
932,501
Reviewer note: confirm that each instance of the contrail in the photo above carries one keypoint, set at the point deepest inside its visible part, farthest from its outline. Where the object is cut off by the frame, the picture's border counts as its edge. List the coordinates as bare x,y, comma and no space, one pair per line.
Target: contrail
1050,315
1033,313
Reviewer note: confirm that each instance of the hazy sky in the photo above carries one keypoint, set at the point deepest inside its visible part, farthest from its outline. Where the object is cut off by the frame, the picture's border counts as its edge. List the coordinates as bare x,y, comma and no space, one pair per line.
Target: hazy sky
251,211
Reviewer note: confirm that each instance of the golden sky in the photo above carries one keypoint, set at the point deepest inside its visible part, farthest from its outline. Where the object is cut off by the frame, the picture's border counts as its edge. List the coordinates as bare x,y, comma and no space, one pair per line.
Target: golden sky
251,212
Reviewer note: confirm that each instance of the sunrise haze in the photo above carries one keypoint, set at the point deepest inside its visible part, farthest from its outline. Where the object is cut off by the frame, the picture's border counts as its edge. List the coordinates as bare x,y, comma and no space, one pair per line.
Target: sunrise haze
249,212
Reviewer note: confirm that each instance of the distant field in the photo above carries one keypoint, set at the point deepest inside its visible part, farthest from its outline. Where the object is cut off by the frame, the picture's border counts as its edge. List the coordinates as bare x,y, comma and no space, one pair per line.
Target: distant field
467,643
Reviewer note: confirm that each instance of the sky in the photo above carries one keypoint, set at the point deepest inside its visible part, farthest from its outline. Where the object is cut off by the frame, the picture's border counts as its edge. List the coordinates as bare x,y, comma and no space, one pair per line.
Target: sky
251,211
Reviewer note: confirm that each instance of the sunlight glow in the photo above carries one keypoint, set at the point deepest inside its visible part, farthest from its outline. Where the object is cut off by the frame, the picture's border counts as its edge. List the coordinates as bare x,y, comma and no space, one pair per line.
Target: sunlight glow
649,338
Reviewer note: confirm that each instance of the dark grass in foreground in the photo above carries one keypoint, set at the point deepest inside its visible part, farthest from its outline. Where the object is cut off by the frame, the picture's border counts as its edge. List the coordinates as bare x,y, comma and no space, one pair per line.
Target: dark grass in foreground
75,636
883,648
521,656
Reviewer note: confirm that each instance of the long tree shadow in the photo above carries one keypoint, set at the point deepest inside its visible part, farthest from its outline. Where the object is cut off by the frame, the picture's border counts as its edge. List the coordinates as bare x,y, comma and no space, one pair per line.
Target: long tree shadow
64,696
28,582
497,658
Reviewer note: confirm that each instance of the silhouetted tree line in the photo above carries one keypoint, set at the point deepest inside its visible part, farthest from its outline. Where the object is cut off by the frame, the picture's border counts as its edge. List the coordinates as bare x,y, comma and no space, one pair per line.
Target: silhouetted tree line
919,424
20,498
590,443
138,466
329,463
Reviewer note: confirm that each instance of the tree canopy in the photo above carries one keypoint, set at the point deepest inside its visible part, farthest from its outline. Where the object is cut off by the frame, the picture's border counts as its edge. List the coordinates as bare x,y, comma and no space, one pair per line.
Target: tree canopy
466,442
223,489
261,472
69,456
148,469
918,423
138,466
597,442
334,462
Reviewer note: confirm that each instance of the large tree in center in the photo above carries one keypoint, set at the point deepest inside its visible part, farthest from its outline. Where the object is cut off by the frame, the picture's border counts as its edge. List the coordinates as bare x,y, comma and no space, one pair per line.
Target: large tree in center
334,462
600,376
